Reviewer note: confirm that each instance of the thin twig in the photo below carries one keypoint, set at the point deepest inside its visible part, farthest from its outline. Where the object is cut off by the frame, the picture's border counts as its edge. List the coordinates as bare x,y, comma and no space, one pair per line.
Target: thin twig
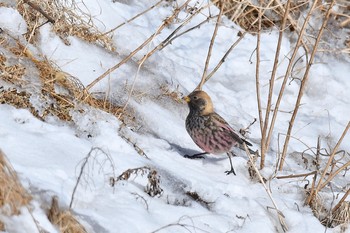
345,22
303,84
222,60
241,36
199,87
297,175
293,23
333,174
318,152
133,18
280,215
166,22
188,30
82,168
257,87
136,76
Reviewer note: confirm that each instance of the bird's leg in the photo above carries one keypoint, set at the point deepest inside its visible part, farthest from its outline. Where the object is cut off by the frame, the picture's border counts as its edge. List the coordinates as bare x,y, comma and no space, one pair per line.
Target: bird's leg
232,170
196,156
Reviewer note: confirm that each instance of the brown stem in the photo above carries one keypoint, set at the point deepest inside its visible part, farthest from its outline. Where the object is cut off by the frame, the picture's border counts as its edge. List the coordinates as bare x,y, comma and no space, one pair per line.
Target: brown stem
280,215
297,175
222,60
233,46
331,176
257,87
199,87
289,68
272,84
303,84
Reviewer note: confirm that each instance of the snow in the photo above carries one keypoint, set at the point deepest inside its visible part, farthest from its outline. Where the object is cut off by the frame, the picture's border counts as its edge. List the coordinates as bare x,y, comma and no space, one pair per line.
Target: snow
12,21
48,155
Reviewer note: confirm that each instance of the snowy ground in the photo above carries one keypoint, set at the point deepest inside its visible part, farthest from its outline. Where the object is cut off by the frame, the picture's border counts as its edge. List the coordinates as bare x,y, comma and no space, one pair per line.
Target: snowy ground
48,155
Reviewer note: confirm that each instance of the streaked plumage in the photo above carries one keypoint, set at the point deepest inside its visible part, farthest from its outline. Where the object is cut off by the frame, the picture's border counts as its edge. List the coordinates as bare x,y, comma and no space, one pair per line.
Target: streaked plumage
208,129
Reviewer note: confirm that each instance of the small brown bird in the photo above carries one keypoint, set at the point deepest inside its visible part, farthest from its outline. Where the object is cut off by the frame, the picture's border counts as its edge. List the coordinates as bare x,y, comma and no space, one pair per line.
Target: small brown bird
209,130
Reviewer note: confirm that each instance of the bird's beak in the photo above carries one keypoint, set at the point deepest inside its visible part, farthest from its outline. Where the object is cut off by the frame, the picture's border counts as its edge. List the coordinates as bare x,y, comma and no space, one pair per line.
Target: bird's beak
187,99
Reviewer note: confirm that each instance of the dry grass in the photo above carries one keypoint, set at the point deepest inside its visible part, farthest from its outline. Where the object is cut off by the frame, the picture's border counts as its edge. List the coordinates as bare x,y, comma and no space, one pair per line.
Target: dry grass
324,181
340,216
59,92
12,194
317,205
13,197
245,13
64,219
10,73
330,218
68,19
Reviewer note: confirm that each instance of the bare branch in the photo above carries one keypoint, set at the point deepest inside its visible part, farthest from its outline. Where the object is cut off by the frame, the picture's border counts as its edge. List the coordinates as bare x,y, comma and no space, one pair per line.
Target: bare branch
280,215
133,18
304,80
199,87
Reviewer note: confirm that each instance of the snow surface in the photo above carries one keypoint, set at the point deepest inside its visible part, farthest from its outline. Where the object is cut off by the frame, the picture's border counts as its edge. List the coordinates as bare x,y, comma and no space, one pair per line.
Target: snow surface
48,155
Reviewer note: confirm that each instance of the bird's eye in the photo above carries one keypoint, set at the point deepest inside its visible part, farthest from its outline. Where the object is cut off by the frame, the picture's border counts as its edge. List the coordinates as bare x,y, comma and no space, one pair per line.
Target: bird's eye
195,97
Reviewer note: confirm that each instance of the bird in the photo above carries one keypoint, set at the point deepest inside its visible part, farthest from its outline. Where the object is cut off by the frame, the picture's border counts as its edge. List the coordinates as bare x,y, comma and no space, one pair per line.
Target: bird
209,130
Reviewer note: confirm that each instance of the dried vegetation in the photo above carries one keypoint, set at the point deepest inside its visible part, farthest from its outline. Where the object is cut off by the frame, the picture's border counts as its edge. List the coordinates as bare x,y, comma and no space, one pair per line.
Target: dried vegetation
64,219
67,19
13,195
152,187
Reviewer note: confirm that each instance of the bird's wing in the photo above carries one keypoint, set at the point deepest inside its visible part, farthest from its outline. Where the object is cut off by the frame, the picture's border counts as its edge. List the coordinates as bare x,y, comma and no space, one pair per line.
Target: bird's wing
222,123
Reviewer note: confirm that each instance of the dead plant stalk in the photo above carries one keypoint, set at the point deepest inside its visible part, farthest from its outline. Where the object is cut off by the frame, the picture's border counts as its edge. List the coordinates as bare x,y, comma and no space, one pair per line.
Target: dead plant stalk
222,60
257,74
199,87
93,153
136,76
264,143
280,215
331,176
297,175
303,83
299,43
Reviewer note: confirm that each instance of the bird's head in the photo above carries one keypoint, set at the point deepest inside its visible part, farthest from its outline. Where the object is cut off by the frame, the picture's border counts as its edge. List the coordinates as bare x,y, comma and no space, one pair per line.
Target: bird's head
199,102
